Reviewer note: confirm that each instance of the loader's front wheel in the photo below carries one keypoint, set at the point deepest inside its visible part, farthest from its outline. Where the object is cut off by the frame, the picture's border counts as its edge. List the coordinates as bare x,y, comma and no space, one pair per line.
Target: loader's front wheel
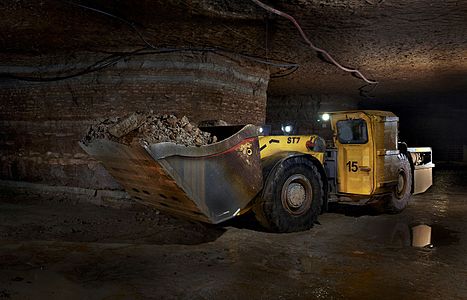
403,190
292,196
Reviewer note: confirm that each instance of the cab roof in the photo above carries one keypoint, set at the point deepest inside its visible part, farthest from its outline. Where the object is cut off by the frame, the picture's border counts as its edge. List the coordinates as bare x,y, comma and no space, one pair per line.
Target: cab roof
378,113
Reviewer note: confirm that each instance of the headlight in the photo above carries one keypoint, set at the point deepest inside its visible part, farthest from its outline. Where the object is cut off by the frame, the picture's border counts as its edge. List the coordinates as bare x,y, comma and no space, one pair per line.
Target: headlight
325,117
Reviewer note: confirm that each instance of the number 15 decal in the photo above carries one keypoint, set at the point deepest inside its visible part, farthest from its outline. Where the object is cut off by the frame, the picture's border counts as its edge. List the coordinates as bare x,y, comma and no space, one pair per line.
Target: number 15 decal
352,166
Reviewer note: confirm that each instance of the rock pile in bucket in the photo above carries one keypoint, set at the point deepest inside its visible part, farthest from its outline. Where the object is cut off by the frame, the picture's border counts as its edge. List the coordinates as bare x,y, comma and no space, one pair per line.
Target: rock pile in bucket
149,128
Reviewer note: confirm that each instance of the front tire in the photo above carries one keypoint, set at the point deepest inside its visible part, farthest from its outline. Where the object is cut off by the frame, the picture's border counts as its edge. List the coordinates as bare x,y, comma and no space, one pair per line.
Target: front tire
292,196
402,192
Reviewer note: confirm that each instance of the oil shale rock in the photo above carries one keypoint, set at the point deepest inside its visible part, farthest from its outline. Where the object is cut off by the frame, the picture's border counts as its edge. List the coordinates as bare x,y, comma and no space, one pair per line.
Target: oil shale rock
149,128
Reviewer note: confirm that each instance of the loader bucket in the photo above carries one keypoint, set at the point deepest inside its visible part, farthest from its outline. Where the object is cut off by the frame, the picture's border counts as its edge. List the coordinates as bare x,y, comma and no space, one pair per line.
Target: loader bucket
211,183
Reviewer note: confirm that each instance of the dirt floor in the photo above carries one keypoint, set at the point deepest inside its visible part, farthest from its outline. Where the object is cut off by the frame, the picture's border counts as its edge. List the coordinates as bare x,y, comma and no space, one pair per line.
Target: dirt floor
60,248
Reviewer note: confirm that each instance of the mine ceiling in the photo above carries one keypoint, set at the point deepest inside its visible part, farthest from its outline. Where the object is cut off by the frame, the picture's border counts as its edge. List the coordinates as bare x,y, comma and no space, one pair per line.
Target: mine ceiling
409,47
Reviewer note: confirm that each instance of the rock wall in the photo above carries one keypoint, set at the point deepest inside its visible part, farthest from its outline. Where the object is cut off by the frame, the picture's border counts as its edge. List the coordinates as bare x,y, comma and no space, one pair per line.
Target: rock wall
42,122
417,46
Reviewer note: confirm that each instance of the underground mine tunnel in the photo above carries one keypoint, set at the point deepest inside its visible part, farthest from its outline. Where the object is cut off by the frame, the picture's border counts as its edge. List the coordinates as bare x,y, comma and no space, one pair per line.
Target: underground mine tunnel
212,149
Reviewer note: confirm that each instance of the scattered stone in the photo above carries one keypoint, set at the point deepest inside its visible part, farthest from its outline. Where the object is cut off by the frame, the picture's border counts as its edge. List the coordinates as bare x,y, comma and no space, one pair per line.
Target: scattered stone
149,128
127,125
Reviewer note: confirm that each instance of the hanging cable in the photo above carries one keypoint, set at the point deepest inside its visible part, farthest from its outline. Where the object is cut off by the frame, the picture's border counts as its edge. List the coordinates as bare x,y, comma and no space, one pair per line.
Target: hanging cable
130,24
114,58
151,46
312,46
101,64
285,73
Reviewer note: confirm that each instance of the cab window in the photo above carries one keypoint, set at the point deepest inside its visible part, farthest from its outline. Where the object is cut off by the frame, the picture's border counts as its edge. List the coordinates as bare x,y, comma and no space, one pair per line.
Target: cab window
352,131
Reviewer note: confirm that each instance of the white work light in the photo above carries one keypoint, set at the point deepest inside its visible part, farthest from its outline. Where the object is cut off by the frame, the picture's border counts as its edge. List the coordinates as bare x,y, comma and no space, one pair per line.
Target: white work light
325,117
287,128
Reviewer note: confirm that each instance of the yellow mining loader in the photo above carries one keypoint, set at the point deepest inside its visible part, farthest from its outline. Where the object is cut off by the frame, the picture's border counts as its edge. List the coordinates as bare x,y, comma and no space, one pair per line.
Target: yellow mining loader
285,180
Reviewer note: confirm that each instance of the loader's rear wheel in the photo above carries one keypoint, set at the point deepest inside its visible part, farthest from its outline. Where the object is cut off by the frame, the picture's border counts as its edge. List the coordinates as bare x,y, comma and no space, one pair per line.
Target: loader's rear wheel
402,191
292,196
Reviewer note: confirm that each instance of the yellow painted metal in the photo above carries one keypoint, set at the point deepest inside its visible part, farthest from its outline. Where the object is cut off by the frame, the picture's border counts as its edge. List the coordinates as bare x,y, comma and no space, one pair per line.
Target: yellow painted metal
377,160
274,144
387,159
362,169
355,162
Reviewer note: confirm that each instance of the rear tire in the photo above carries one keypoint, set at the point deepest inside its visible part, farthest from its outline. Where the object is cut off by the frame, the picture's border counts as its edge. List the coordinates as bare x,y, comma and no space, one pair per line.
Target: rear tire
292,196
402,192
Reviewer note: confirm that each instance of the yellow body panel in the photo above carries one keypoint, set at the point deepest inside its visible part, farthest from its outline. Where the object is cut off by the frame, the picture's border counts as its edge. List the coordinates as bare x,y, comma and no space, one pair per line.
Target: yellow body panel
365,168
355,163
274,144
372,167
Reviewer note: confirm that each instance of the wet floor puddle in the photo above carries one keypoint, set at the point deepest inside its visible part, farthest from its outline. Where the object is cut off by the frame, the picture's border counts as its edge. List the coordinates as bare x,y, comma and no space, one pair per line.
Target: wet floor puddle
442,236
431,236
406,234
